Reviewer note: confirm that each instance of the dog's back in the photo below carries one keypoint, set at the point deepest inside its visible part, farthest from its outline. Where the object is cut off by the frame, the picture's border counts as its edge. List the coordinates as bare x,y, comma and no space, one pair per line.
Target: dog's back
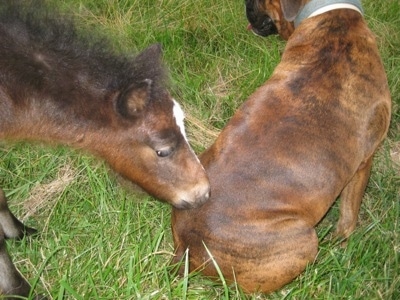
305,137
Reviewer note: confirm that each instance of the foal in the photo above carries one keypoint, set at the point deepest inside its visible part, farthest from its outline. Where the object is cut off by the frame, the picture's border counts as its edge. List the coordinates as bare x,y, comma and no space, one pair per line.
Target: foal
57,86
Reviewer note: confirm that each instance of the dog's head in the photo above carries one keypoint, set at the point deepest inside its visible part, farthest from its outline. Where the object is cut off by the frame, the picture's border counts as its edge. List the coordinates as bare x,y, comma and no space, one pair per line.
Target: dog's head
268,17
259,22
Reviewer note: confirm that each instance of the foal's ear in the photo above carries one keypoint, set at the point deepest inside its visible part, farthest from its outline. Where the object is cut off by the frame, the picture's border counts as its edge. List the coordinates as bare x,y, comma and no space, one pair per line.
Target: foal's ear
151,53
290,9
132,101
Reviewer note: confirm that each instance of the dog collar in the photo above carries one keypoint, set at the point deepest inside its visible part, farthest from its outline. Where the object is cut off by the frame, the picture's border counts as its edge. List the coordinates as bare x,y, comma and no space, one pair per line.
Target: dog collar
317,7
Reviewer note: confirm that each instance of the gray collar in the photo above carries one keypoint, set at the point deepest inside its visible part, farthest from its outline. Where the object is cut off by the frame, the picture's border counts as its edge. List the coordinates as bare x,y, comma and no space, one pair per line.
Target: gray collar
317,7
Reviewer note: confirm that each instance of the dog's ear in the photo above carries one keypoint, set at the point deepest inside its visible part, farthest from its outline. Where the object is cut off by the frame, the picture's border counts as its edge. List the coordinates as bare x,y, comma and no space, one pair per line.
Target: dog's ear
290,8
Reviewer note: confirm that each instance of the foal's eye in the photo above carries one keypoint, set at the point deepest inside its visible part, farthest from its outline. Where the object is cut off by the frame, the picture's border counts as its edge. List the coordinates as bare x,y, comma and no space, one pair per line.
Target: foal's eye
164,152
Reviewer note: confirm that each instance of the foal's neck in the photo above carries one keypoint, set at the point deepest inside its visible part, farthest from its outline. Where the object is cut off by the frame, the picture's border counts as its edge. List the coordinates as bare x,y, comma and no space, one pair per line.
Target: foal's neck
78,122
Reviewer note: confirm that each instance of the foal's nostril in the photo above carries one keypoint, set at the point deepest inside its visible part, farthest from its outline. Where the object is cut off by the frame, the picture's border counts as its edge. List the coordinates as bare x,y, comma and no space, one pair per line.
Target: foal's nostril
204,191
202,196
195,198
183,204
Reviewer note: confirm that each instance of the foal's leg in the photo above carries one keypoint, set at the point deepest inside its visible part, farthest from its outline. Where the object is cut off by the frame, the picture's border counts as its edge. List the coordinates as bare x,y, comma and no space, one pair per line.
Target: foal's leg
11,281
11,226
350,200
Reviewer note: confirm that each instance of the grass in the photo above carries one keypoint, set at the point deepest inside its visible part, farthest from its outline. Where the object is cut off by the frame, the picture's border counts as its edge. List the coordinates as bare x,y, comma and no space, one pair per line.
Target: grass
100,240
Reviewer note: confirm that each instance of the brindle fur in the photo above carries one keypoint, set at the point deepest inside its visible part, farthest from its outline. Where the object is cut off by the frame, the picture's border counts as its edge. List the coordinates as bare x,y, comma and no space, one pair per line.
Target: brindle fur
60,86
304,138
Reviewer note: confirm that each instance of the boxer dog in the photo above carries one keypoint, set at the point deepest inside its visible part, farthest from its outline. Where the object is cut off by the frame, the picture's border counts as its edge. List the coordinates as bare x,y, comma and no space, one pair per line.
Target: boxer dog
304,138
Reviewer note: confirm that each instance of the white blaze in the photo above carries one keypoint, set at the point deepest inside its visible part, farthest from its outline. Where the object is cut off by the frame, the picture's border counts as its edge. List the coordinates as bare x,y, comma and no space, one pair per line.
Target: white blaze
179,118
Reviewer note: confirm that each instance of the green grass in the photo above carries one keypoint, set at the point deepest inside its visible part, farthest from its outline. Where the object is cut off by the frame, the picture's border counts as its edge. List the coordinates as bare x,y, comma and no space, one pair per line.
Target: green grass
100,240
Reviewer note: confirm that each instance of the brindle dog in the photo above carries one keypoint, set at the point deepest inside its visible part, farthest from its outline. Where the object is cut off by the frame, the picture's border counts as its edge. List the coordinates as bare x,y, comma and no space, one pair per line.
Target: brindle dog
304,138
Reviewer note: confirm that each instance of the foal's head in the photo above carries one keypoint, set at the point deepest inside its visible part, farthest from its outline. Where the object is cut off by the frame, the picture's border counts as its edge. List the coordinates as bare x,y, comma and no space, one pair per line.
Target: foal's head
152,149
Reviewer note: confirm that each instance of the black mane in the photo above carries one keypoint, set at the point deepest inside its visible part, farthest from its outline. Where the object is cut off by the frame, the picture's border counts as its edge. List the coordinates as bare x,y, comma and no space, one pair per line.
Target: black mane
42,49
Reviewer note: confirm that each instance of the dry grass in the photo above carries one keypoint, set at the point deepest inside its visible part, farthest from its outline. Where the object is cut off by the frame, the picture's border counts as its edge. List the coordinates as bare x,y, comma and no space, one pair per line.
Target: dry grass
46,194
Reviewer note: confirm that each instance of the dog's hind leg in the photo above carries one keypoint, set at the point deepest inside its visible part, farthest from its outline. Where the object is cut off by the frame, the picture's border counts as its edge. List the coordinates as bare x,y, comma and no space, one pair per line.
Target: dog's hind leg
350,200
11,226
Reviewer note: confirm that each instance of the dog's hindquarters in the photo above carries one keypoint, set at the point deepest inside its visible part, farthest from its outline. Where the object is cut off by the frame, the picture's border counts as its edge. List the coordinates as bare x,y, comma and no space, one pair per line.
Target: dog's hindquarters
258,258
